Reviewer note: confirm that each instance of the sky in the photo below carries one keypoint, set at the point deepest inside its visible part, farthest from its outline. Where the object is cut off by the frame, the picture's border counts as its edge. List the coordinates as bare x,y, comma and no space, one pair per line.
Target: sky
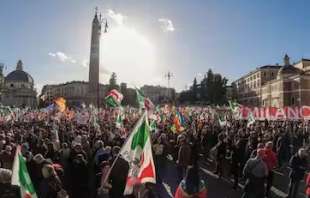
148,38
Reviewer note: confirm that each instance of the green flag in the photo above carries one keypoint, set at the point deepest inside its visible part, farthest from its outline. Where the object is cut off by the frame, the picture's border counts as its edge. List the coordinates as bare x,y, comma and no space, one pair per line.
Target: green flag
234,106
251,119
20,176
140,98
137,151
153,125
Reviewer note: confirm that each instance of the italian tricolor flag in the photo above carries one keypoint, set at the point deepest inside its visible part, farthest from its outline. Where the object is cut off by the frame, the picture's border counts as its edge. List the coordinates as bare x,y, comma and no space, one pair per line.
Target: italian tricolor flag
137,151
114,98
20,176
143,101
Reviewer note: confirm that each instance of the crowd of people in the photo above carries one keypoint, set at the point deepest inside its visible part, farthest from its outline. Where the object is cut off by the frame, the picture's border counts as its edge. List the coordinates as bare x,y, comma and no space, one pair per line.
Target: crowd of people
67,157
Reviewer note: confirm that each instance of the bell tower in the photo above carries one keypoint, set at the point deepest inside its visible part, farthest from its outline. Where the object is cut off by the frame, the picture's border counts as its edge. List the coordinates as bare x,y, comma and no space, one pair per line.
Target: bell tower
94,62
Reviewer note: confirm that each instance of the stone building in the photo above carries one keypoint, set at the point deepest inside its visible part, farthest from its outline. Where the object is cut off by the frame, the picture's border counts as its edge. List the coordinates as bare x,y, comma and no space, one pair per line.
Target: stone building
159,94
75,93
276,85
18,89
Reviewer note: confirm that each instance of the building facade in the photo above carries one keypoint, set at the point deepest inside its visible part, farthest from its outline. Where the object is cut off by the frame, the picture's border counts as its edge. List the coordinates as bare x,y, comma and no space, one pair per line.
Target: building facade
159,94
18,89
276,85
75,93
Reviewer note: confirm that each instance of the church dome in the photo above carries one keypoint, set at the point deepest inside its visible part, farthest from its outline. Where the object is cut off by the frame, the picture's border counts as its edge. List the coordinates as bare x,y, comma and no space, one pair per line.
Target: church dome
19,75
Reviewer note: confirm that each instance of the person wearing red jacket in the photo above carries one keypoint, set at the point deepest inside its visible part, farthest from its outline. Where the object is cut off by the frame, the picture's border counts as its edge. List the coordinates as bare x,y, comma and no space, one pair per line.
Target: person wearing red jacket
271,161
308,185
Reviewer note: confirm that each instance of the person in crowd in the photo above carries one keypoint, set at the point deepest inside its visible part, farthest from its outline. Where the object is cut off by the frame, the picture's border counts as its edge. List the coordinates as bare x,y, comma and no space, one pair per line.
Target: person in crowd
85,153
79,177
159,158
184,157
255,171
283,150
270,159
7,157
51,186
298,165
236,161
6,189
307,183
191,185
220,156
118,175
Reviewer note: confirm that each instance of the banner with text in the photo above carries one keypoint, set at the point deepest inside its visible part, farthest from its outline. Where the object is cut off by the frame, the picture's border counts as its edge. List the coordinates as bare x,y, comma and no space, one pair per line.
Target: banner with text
274,113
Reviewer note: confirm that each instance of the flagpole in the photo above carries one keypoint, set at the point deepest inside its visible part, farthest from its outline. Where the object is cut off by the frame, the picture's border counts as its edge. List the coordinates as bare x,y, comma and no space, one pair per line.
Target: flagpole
118,155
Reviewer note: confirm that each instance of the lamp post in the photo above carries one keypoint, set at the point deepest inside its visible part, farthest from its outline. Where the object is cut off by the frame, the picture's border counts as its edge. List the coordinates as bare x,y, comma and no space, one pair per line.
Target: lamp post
168,75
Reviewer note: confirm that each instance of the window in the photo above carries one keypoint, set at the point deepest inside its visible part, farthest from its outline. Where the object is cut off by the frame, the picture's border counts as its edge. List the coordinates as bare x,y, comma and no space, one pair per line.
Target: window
11,85
271,74
292,101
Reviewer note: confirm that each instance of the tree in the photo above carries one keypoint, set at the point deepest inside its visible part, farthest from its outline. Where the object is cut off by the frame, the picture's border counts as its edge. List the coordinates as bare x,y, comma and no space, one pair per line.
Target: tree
123,90
234,91
113,82
194,91
212,90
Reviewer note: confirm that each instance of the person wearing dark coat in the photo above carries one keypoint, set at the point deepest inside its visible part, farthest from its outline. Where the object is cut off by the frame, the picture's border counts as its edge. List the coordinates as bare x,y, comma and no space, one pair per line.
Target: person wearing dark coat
283,148
50,186
79,177
6,189
221,153
184,157
118,177
236,162
298,165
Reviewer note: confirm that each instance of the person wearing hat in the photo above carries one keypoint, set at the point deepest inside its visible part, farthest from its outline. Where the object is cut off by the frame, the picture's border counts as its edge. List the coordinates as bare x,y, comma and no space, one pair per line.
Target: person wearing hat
36,170
255,171
6,189
50,186
298,165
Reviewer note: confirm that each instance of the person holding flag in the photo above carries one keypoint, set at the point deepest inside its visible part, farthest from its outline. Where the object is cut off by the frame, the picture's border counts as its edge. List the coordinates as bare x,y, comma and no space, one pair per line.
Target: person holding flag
137,153
144,102
20,176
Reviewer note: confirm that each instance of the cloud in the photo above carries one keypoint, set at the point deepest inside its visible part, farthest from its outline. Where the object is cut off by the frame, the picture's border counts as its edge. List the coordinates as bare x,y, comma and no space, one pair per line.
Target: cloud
118,18
62,57
137,52
85,63
166,25
104,70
